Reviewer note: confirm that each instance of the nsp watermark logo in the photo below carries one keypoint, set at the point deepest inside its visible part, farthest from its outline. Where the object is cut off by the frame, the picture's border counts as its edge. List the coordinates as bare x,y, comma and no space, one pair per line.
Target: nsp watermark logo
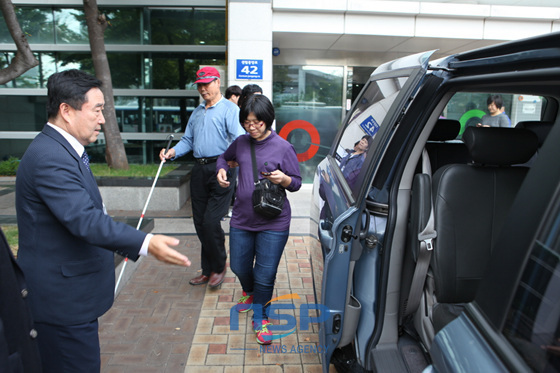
274,311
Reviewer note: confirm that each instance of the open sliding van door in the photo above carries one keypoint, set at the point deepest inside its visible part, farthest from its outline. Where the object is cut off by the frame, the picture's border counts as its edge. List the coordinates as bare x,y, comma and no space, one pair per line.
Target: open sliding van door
342,182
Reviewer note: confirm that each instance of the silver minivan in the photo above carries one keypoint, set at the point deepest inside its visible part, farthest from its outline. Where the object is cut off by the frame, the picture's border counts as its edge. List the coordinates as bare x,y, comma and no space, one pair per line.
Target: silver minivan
438,230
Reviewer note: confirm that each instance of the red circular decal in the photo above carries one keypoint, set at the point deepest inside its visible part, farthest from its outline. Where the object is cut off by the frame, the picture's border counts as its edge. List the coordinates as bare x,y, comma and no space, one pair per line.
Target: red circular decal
311,130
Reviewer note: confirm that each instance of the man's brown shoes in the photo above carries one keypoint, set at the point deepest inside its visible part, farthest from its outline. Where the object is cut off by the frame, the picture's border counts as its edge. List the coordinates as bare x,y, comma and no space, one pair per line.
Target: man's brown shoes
200,280
216,279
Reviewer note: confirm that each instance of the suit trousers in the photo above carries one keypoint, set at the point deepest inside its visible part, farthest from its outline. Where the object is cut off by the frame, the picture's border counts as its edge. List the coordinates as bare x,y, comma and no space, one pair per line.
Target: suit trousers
210,203
69,348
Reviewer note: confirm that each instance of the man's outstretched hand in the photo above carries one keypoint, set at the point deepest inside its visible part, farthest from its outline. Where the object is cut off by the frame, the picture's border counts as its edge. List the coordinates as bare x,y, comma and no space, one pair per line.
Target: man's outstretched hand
160,248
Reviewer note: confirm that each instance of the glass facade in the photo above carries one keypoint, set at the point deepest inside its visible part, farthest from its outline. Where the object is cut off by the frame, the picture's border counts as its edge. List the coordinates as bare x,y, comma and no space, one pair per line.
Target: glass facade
150,26
308,105
153,48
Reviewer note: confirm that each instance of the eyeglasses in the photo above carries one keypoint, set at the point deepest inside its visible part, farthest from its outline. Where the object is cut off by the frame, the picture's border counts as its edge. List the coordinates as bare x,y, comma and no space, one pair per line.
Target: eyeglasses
253,123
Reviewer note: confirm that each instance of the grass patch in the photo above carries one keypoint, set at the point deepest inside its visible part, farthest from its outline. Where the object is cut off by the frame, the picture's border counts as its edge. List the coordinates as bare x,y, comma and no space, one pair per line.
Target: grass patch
11,233
134,170
9,167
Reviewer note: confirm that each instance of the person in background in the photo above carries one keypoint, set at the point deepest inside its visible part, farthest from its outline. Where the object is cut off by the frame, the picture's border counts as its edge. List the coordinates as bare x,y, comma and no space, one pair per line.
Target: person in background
233,93
257,242
211,128
66,239
249,90
19,351
352,163
496,118
503,110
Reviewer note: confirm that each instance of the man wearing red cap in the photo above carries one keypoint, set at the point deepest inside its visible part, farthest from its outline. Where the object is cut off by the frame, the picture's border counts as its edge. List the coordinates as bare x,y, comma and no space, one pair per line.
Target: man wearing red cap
212,127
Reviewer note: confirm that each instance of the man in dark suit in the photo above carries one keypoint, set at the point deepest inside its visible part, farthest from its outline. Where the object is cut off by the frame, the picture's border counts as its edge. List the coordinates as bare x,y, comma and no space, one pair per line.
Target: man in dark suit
18,343
66,239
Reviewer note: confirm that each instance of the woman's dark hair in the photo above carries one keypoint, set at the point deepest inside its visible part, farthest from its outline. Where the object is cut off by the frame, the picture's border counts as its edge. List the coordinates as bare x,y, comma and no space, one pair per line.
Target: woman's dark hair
247,91
496,99
70,87
259,105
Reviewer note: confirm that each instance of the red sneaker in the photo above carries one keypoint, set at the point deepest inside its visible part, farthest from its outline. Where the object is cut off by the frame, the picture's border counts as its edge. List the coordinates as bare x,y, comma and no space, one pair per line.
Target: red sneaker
264,336
245,303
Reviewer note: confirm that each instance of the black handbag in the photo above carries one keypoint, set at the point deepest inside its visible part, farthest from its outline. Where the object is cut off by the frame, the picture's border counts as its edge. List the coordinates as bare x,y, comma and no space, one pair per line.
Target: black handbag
268,198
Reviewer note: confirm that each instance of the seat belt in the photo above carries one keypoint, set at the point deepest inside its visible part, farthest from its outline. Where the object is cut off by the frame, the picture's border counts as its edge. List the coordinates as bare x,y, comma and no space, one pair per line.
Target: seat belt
425,252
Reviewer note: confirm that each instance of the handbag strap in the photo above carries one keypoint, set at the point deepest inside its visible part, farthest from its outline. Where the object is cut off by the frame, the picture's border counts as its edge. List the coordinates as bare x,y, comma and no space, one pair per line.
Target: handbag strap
254,161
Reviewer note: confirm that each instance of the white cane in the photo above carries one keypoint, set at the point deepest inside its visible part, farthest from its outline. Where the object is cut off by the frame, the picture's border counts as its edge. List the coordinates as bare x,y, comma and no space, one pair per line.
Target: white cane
145,208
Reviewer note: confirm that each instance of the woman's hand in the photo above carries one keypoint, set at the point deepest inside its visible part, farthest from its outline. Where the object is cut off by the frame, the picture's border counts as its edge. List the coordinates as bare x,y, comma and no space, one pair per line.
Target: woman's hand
278,177
222,178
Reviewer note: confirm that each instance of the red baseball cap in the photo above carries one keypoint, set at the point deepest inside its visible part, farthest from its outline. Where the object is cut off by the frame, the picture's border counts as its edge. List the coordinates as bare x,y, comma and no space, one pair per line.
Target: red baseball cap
206,75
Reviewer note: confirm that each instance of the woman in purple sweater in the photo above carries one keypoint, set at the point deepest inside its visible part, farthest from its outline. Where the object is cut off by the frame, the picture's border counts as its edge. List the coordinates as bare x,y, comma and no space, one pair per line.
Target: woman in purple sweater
254,238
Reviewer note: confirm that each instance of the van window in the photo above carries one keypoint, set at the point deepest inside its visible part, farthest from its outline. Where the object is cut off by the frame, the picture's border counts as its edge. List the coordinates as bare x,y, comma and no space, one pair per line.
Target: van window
364,123
469,108
533,322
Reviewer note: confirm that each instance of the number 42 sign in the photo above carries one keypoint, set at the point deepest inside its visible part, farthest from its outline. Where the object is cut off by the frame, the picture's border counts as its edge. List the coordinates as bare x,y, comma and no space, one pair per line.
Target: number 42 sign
250,69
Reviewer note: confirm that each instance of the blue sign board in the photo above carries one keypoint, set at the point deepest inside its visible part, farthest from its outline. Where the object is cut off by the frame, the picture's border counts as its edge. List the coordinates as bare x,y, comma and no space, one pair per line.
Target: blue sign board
370,126
249,69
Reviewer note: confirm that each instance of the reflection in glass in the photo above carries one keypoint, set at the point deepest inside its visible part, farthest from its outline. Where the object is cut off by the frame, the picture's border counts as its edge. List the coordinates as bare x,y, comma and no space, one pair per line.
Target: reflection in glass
533,323
32,78
186,26
23,113
364,123
308,105
124,25
70,26
177,70
154,114
36,23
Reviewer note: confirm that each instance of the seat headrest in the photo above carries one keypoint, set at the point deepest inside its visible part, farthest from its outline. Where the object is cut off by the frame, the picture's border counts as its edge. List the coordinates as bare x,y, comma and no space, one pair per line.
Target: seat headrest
500,146
541,129
445,129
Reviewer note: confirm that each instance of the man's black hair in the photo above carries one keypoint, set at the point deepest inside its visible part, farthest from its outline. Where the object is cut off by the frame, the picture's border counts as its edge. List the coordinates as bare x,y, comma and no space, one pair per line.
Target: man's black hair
233,90
247,91
70,87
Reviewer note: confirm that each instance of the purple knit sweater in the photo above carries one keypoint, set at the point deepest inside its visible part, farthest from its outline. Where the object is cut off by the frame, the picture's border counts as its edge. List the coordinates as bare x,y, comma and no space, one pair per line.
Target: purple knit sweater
272,153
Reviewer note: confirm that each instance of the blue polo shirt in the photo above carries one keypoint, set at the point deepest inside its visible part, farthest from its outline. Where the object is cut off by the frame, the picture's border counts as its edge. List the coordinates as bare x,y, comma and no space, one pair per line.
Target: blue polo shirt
210,131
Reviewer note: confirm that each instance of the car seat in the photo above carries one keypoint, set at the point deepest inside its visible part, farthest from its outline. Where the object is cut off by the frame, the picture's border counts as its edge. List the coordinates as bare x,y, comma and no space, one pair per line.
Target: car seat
471,202
443,146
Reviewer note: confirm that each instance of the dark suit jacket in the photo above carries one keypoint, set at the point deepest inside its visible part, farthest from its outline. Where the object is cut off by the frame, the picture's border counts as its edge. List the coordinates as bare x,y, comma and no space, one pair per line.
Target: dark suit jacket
18,346
66,242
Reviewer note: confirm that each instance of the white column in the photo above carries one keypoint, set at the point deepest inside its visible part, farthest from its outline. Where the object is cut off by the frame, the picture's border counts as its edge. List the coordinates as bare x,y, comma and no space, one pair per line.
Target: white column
250,38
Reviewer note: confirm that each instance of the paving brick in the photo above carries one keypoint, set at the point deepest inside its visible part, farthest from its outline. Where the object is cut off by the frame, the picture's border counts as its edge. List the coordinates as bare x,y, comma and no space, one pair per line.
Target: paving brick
214,348
209,339
197,355
238,369
205,369
224,360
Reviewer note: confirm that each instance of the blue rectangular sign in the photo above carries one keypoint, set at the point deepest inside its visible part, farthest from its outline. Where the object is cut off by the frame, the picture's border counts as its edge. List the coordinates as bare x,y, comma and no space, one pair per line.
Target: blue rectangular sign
250,69
370,126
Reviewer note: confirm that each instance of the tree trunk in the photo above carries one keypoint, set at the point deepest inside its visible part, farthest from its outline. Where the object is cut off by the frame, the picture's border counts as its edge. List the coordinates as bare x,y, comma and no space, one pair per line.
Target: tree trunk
24,59
96,23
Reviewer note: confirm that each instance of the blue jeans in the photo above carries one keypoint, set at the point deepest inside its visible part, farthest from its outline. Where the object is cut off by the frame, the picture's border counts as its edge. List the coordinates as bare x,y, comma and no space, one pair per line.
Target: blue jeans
265,249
